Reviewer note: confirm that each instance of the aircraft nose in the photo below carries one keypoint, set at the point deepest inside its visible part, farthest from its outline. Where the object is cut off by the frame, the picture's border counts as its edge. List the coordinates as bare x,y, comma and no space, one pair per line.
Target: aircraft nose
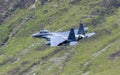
33,35
36,35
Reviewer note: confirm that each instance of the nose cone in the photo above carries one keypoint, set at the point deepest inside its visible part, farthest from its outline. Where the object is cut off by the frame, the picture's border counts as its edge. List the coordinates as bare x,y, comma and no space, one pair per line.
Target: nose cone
36,35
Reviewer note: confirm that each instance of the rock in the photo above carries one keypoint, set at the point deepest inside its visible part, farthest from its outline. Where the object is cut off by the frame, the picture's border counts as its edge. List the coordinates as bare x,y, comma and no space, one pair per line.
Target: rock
43,2
14,71
113,55
24,3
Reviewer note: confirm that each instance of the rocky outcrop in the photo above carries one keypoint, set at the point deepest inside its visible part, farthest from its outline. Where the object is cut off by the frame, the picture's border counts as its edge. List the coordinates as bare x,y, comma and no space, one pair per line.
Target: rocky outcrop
107,7
110,3
5,8
44,1
114,55
9,6
75,2
24,3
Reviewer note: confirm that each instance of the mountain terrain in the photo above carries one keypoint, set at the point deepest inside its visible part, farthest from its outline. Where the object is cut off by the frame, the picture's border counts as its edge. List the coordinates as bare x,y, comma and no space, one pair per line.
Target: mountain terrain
21,54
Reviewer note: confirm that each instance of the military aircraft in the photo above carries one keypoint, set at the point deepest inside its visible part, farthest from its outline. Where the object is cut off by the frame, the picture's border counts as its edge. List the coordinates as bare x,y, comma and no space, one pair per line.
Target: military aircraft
64,38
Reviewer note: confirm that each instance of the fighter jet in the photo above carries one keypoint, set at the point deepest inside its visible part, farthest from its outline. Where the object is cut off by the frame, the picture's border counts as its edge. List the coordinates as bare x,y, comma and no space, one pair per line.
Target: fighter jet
67,38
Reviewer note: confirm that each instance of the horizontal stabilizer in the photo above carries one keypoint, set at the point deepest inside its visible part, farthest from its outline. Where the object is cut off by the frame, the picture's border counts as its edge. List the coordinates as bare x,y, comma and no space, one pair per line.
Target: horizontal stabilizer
89,34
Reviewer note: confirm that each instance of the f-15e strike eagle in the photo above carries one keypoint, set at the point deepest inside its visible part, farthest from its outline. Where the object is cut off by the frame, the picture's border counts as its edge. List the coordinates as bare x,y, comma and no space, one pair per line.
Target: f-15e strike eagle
67,38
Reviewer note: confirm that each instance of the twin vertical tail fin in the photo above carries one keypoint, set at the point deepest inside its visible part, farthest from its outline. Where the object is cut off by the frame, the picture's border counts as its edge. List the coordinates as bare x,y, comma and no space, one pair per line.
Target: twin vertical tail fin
81,29
71,36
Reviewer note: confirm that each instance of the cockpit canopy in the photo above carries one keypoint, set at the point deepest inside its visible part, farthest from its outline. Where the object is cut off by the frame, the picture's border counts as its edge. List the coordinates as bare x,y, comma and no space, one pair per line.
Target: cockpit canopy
44,31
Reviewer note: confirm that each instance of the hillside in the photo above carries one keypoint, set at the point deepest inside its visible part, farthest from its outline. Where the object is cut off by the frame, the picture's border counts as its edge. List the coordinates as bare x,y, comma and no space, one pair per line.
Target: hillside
20,54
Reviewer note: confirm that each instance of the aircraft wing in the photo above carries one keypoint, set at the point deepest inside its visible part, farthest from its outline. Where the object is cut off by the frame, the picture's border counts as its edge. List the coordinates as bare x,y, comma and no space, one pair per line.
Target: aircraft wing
89,34
67,32
55,41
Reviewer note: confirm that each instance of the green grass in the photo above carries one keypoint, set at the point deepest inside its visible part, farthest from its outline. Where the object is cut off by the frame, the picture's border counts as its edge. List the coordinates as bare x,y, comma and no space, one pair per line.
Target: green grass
61,15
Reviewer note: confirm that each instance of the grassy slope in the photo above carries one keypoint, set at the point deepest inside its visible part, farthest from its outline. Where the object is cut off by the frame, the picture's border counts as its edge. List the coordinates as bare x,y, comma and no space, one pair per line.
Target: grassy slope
60,16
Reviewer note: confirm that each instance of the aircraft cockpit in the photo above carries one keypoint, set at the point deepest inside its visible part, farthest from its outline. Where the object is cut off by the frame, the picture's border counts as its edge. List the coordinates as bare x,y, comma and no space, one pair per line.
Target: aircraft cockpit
44,31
